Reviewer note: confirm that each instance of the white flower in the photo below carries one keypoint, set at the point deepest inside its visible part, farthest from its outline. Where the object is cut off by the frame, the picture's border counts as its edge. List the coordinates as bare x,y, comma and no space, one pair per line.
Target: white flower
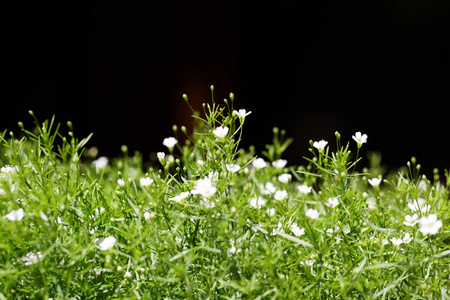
406,238
360,139
297,231
32,258
146,181
307,262
9,169
220,131
232,168
269,188
106,243
419,205
280,164
284,178
161,155
320,145
200,162
15,215
430,224
396,242
411,221
332,202
2,192
280,195
304,189
233,251
259,163
100,163
257,202
312,213
242,113
121,182
205,187
375,181
271,212
128,274
170,142
147,215
180,197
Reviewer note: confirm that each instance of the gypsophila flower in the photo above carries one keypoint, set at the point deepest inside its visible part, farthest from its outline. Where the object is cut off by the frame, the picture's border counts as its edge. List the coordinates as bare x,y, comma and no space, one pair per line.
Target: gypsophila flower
9,169
304,189
170,142
161,156
284,178
411,221
269,188
332,202
180,197
396,242
128,274
257,202
146,181
242,113
271,212
406,238
100,163
233,251
205,187
106,243
206,203
320,145
375,181
360,138
312,213
297,231
232,168
220,131
430,224
121,182
15,215
280,195
279,164
2,193
419,205
308,262
259,163
32,258
371,204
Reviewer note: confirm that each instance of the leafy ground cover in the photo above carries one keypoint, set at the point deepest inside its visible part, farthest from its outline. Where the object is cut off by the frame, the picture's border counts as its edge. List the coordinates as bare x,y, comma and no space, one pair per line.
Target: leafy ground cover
208,220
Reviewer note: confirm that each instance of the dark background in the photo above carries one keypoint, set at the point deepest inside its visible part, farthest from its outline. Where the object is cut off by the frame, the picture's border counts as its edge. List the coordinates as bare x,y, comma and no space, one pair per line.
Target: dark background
119,68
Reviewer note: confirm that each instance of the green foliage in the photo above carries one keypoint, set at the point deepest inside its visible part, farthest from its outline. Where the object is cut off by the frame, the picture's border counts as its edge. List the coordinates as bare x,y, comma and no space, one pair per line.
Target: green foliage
209,221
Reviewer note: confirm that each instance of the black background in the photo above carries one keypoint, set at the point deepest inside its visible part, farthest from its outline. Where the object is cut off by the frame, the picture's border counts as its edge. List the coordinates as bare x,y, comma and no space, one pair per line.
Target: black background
119,68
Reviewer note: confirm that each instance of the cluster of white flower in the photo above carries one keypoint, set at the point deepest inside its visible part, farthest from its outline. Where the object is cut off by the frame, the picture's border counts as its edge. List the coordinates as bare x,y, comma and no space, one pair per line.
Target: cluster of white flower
9,169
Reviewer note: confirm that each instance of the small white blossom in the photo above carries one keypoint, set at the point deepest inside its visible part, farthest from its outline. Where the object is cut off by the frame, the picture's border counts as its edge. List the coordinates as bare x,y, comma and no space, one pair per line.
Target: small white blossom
121,182
297,231
430,224
180,197
360,138
232,168
304,189
242,113
208,204
220,131
396,242
320,145
259,163
280,163
15,215
205,187
161,156
332,202
147,215
106,243
233,251
269,188
308,262
284,178
312,213
32,258
271,212
375,181
128,274
146,181
372,204
2,193
257,202
419,205
170,142
200,162
411,221
406,238
280,195
9,169
100,163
